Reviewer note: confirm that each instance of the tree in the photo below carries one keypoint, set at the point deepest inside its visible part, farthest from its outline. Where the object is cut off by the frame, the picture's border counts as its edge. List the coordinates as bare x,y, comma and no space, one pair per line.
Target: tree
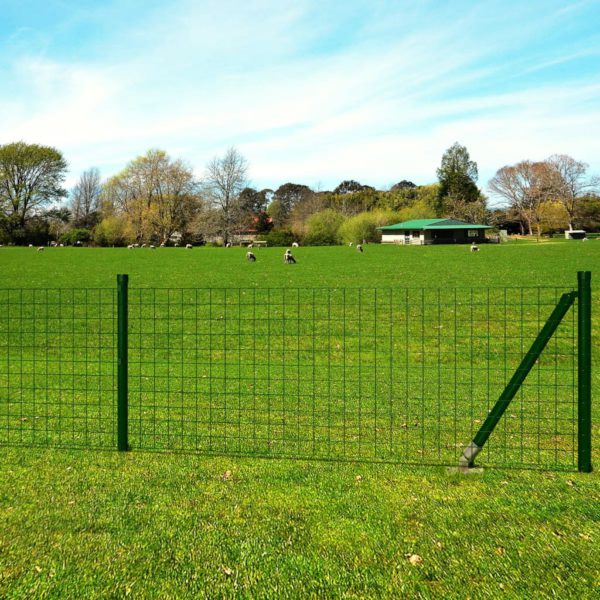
286,197
402,185
224,181
364,226
31,177
85,199
323,228
457,175
524,186
569,182
156,194
350,186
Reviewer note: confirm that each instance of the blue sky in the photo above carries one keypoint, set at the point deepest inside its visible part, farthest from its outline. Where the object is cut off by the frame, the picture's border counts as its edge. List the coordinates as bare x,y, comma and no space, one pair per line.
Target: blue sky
309,91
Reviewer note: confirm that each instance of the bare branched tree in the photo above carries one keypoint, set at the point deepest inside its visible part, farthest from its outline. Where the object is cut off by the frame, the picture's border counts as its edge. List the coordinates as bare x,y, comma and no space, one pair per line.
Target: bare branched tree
525,186
224,180
85,199
570,182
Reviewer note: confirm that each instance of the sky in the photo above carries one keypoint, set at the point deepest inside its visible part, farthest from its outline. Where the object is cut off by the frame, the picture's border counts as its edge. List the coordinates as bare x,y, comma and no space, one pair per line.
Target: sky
309,91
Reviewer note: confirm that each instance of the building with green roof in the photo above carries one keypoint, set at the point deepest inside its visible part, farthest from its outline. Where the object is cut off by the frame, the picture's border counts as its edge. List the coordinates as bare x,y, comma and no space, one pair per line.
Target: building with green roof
433,231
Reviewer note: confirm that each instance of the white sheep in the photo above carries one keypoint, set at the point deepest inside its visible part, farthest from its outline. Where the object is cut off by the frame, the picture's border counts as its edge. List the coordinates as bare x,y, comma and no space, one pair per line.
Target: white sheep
152,247
294,244
359,247
130,247
250,246
189,246
350,244
474,247
41,249
250,256
228,245
31,245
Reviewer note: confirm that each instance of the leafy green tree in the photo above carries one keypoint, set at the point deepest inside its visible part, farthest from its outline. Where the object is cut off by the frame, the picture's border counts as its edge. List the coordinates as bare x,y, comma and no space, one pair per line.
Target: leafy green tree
402,185
322,228
286,197
364,226
31,177
457,175
350,186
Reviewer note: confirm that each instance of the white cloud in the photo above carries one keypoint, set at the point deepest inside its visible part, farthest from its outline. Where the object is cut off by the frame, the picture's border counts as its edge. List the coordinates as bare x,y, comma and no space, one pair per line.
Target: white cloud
201,77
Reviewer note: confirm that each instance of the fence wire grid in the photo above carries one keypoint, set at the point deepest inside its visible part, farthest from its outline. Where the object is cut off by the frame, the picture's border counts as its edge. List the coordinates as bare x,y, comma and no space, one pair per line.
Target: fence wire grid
401,374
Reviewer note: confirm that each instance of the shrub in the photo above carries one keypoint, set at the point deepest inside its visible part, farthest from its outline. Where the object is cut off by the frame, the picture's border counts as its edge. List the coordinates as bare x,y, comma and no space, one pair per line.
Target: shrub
322,228
70,238
279,237
111,231
364,226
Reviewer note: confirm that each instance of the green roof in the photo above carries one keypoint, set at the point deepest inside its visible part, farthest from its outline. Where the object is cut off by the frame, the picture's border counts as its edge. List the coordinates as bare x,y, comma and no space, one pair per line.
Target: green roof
433,224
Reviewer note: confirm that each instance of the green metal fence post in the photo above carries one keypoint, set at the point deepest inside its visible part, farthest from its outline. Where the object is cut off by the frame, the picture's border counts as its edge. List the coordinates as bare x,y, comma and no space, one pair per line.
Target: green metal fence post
122,375
519,376
584,371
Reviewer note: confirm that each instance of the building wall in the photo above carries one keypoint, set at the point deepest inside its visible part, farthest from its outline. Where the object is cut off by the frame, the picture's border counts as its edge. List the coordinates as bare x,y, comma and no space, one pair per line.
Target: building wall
425,237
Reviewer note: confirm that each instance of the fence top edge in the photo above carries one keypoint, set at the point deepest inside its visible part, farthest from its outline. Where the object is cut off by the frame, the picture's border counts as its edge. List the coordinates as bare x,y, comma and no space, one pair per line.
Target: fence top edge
558,288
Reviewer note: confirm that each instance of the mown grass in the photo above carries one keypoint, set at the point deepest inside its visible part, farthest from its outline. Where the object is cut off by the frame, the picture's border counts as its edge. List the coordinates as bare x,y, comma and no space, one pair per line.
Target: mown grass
98,524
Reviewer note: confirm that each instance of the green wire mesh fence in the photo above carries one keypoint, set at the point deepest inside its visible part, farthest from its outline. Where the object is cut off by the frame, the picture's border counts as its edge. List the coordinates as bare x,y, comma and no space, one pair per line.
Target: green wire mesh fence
402,375
57,367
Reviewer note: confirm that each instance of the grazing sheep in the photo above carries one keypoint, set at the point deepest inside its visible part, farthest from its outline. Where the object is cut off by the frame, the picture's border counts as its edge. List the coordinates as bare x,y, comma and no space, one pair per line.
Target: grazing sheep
228,245
474,247
136,245
143,245
294,244
351,244
130,247
250,246
359,247
250,256
152,247
41,249
288,258
163,245
176,245
189,246
62,245
31,245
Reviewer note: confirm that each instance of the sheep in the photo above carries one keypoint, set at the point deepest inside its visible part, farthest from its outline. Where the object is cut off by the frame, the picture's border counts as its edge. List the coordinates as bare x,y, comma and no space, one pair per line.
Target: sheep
250,256
163,245
189,246
62,245
176,245
474,247
143,245
228,245
350,244
31,245
359,247
41,249
130,247
288,258
152,247
250,246
294,244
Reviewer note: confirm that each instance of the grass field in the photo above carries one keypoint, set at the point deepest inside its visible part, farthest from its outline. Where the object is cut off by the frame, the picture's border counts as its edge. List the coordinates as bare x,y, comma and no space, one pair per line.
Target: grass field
92,524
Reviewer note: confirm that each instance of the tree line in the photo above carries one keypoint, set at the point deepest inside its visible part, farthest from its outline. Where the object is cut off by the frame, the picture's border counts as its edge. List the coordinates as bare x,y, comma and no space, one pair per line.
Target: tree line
158,199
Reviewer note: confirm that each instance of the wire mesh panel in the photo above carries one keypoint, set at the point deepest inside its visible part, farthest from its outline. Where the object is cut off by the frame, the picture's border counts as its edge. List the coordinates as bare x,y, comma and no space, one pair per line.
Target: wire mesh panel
405,375
57,367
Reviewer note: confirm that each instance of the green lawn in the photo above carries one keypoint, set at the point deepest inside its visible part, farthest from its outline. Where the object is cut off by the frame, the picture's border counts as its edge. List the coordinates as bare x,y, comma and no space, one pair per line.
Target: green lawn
83,523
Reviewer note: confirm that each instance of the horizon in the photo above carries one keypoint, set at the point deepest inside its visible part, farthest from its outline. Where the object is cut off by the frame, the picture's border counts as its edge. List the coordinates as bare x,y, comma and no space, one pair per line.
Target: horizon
312,94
